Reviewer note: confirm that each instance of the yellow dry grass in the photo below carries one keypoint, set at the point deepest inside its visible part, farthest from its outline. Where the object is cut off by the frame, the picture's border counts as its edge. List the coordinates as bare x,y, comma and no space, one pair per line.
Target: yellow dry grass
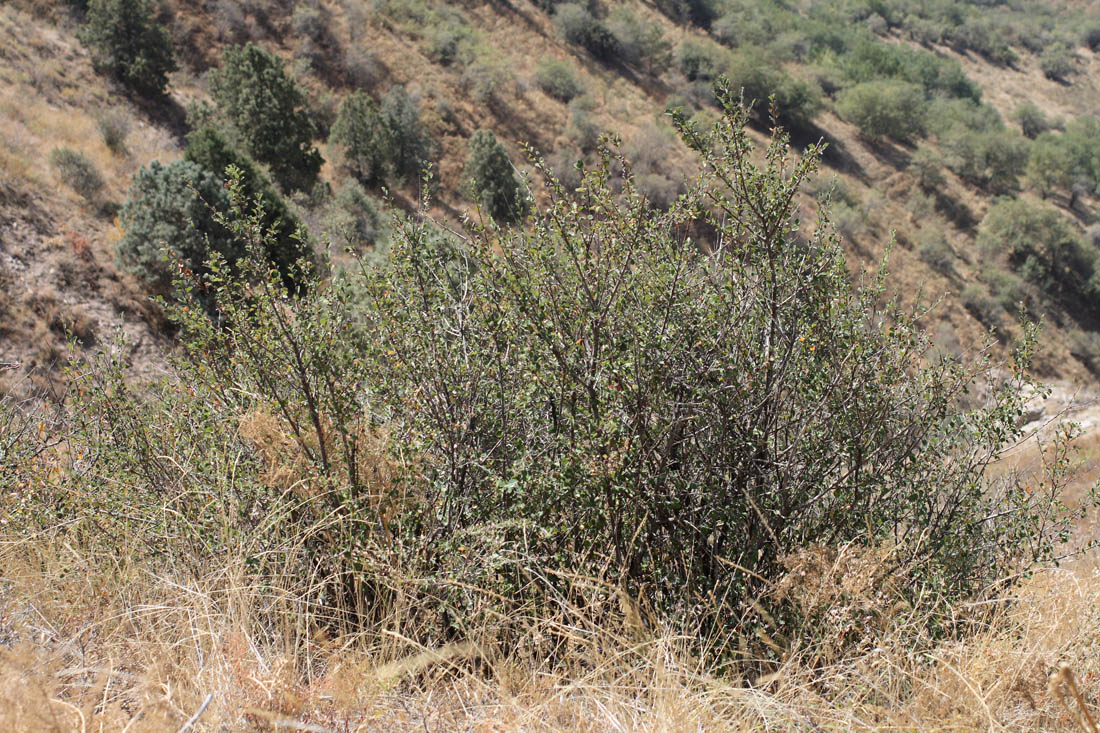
101,644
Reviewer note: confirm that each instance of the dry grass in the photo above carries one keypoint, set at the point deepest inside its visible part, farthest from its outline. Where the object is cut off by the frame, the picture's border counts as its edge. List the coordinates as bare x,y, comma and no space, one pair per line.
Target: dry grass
93,643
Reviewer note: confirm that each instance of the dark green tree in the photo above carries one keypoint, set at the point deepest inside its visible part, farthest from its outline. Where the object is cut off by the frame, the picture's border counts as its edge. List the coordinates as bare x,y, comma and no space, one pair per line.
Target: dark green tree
360,132
410,148
491,180
267,111
209,148
128,45
173,207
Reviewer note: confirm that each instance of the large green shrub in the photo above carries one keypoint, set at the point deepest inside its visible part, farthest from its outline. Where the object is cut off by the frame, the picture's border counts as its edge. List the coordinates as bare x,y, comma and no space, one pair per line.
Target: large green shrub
128,45
170,221
490,179
542,421
266,109
882,109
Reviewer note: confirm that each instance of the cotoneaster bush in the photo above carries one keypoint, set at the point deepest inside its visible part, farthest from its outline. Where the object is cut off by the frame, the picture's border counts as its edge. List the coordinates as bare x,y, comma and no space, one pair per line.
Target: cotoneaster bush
510,425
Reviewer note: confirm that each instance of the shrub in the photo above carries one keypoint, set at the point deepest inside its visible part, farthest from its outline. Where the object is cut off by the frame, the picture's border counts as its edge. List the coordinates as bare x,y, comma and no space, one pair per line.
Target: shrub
1058,63
579,27
640,42
885,109
356,221
596,394
1050,166
977,300
976,144
1091,38
173,207
697,60
359,130
698,12
934,251
927,165
409,148
308,22
558,79
1032,120
114,126
127,45
208,148
266,110
491,181
596,398
78,172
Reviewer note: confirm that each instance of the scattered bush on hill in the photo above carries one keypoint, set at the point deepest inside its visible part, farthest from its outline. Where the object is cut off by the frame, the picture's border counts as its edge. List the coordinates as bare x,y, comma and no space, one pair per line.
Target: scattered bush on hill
78,172
128,45
114,126
1042,246
640,42
885,109
265,109
558,79
381,142
1058,63
579,27
1032,120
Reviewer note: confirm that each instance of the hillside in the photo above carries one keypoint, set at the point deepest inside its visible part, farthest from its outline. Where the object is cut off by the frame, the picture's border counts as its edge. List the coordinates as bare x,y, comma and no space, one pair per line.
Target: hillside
321,408
477,66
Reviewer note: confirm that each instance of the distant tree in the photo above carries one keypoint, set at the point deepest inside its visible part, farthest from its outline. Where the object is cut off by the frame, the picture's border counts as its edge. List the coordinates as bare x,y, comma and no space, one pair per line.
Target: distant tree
1041,245
1058,63
558,80
409,146
128,45
927,165
491,180
360,132
267,111
173,206
381,141
208,148
580,27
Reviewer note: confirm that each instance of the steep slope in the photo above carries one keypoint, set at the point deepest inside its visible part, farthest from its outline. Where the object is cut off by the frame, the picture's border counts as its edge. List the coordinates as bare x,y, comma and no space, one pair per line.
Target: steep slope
477,65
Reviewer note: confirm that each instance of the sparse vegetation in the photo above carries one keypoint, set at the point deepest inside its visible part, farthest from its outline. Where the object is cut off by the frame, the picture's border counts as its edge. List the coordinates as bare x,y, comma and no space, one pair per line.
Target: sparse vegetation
78,172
